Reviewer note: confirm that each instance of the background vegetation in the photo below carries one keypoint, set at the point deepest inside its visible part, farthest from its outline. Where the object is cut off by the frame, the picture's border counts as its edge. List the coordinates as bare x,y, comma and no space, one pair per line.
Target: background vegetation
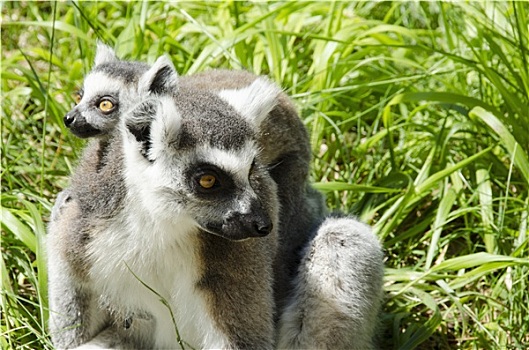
418,114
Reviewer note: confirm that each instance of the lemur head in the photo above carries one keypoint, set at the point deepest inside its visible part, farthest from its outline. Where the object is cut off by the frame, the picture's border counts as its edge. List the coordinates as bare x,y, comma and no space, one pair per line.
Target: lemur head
192,157
109,90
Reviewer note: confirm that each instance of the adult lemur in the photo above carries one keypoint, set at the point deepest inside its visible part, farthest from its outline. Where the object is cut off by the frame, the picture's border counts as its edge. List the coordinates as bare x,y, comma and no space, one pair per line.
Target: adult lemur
336,293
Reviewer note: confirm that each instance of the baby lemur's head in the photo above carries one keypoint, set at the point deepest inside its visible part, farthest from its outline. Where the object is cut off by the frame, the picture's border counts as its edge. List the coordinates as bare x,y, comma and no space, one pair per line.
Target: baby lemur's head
108,91
191,159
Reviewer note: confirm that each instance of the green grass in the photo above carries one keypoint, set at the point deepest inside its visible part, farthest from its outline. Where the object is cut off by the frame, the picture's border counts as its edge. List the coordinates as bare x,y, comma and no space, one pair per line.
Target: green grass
418,116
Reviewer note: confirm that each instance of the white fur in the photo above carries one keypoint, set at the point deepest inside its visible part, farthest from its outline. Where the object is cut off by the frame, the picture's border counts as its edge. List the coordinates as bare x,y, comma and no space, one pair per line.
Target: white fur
163,256
99,83
100,341
255,101
104,53
236,162
153,182
165,127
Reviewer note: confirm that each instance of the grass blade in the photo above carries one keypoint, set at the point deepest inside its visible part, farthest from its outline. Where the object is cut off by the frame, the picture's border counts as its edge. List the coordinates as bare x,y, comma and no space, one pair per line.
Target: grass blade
20,230
341,186
521,161
445,206
485,199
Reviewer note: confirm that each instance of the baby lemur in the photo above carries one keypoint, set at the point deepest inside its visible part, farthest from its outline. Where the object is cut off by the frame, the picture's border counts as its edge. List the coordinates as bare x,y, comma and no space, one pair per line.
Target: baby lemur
340,271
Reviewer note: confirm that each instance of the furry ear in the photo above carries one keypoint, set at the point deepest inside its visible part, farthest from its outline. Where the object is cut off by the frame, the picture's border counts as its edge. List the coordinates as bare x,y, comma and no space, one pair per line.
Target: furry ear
154,125
166,129
255,101
160,79
138,124
104,54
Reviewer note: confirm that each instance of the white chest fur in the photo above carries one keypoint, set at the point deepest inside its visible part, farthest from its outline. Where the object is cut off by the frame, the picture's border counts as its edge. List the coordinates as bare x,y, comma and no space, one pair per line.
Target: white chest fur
135,262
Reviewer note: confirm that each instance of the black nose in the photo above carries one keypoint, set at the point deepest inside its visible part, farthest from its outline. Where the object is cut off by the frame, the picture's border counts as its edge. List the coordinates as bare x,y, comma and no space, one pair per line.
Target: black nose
239,226
263,229
69,119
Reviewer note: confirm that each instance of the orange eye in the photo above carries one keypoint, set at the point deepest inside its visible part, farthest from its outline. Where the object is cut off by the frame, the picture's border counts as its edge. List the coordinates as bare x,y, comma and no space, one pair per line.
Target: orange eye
78,98
207,181
106,106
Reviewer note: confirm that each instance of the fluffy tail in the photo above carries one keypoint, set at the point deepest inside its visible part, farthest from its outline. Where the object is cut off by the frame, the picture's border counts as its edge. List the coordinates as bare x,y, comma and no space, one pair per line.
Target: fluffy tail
338,290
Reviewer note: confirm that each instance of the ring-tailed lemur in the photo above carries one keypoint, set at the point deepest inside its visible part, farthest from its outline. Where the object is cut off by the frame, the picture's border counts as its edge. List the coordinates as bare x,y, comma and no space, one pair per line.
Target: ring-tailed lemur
197,227
357,305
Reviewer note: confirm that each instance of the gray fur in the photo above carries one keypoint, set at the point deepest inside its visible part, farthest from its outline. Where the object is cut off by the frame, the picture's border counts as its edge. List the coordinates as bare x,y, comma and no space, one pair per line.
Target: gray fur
95,194
337,292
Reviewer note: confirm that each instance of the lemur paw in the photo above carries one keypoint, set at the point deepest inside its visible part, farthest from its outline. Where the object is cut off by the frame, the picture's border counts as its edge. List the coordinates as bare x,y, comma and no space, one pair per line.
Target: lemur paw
63,198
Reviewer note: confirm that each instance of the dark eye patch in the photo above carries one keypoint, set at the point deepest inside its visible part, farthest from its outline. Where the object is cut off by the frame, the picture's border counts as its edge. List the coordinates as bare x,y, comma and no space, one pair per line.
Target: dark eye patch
223,184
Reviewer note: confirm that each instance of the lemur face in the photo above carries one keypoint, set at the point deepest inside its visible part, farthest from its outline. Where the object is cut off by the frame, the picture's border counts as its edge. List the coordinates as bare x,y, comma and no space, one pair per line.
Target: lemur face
195,154
98,106
108,91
